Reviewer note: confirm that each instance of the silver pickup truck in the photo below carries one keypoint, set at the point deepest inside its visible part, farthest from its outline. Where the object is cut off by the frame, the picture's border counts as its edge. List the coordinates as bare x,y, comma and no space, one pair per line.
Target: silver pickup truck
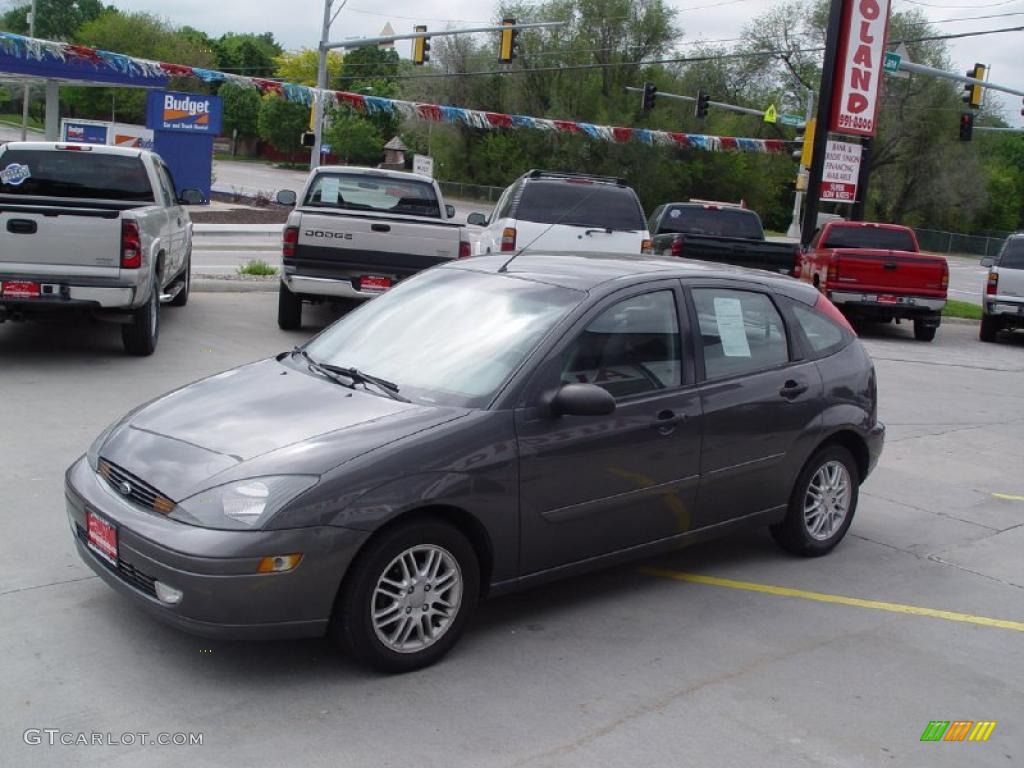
92,229
357,232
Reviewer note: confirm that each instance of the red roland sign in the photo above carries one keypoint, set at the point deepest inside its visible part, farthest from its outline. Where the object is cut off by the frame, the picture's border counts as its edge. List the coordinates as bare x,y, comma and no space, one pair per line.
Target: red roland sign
861,55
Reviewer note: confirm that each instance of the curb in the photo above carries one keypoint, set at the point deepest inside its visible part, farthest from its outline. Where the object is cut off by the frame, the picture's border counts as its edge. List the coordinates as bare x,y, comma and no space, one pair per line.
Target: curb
234,284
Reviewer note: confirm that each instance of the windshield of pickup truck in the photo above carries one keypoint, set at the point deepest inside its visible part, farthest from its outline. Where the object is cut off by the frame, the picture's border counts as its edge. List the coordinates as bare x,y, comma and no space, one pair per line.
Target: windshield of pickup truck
878,238
581,204
76,175
376,194
446,336
716,222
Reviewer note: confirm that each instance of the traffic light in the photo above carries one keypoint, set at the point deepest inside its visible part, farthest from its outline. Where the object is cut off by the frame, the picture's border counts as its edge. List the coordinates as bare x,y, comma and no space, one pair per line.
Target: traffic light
973,93
420,46
701,109
509,48
308,139
650,94
966,126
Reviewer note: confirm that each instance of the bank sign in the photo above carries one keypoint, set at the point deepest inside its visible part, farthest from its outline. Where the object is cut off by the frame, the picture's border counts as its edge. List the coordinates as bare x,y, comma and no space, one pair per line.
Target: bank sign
841,171
184,113
859,67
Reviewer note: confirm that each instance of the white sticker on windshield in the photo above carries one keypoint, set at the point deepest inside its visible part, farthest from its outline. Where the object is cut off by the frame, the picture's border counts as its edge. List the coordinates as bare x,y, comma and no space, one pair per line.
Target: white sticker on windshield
675,213
731,329
14,175
329,190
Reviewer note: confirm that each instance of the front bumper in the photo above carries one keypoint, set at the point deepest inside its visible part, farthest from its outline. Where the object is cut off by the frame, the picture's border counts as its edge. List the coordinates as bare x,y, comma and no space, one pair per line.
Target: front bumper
223,595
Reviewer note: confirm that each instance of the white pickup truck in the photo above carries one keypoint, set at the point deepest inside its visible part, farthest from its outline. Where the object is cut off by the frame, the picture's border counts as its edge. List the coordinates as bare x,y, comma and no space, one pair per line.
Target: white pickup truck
358,231
92,229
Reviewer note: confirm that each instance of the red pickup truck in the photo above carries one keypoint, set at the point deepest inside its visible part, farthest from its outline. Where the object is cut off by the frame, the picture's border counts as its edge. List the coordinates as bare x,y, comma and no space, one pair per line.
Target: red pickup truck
877,272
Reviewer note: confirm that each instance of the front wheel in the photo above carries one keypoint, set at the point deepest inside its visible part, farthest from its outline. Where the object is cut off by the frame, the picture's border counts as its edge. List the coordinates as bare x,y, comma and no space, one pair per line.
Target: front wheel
822,504
140,336
289,309
923,330
989,328
408,597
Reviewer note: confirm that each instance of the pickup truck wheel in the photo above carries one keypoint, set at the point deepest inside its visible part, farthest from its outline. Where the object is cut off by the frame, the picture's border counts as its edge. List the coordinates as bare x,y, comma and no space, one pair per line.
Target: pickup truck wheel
923,331
181,299
822,504
141,334
989,328
289,309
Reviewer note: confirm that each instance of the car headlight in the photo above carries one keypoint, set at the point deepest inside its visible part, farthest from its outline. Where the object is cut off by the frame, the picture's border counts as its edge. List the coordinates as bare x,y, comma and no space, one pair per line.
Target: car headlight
93,454
244,504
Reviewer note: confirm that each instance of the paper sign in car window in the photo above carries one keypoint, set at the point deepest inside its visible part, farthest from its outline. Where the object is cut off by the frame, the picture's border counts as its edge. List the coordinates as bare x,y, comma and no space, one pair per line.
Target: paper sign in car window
329,190
731,329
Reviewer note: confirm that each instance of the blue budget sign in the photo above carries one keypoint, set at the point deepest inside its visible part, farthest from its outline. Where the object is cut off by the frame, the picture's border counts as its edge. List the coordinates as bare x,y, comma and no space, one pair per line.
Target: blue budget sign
184,112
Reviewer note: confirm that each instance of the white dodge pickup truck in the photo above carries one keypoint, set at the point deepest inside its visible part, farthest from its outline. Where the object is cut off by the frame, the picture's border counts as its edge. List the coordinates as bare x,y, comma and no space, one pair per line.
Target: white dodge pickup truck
358,231
95,229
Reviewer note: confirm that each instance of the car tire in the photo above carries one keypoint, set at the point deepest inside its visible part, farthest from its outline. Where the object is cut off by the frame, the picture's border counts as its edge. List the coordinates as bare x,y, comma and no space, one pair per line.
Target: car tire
289,309
141,334
923,331
989,328
181,299
375,607
796,533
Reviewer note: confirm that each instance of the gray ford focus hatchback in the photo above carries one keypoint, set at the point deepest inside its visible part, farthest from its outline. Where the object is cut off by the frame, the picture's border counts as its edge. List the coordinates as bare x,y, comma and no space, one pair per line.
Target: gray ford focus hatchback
482,427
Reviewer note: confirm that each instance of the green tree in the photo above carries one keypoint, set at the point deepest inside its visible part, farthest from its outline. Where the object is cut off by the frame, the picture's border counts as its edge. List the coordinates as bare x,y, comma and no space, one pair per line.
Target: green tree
241,109
248,54
353,138
55,19
281,123
301,67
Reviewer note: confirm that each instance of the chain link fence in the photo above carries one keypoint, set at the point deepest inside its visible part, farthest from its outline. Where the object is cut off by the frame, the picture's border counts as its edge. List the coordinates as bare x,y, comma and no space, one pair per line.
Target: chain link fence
470,192
955,242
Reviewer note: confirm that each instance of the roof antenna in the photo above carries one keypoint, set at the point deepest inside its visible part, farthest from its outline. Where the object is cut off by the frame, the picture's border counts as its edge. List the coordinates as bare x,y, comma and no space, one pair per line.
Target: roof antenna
504,267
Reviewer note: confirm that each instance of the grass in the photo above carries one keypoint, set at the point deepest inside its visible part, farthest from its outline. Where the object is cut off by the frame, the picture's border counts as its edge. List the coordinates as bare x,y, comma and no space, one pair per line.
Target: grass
965,309
10,118
257,267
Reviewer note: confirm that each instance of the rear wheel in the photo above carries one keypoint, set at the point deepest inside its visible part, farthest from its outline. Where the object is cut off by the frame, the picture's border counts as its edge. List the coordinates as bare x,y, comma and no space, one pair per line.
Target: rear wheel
989,328
140,336
408,597
289,309
822,505
924,330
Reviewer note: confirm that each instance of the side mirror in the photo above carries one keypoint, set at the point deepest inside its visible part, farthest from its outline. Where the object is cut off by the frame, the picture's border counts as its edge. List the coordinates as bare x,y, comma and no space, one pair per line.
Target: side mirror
449,211
286,197
988,261
191,197
477,220
582,400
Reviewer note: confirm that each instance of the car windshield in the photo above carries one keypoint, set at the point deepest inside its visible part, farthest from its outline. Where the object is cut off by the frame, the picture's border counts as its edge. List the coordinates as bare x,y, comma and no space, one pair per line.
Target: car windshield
447,336
1013,255
581,204
717,222
881,238
373,193
79,175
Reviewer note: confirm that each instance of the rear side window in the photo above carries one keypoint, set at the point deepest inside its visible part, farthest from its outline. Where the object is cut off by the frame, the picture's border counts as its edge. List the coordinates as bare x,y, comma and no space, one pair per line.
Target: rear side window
717,222
1012,256
75,175
821,333
870,237
741,332
375,194
581,204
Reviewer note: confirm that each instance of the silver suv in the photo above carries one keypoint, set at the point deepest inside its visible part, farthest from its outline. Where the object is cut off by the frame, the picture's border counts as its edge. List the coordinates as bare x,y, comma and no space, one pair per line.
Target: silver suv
1003,302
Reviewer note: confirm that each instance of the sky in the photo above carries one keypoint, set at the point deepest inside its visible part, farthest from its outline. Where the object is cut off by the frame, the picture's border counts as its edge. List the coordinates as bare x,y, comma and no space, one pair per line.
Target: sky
296,24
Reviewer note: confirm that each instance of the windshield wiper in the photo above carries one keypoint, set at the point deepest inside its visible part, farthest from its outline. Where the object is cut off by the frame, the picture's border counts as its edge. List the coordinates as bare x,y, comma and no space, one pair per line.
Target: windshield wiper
352,374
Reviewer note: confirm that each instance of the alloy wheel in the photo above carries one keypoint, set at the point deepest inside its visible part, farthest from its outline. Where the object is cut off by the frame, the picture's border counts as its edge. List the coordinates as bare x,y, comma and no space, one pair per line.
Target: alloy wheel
827,501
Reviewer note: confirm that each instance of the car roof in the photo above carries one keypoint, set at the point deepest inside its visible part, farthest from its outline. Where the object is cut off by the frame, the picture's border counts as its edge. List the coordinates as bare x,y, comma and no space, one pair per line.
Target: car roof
588,271
355,170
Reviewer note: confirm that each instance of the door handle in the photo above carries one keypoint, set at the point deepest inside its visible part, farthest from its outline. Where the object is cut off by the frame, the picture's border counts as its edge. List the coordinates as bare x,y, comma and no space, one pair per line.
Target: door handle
666,421
792,389
380,227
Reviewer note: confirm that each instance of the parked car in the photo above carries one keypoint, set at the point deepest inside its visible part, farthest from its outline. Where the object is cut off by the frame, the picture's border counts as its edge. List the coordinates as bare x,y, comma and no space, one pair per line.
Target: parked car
477,430
92,229
726,234
877,272
1002,306
554,212
357,232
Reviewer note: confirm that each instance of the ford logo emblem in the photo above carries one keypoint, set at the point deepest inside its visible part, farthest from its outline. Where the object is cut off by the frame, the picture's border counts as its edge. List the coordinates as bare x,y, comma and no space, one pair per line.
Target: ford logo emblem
125,489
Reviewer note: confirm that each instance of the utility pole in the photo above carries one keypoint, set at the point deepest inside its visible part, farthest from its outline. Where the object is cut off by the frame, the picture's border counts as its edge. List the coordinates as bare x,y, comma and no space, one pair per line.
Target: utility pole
798,198
321,85
26,89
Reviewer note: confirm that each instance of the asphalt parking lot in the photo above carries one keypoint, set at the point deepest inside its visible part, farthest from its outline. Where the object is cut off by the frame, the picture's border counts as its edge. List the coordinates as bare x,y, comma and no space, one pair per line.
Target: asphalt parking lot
761,659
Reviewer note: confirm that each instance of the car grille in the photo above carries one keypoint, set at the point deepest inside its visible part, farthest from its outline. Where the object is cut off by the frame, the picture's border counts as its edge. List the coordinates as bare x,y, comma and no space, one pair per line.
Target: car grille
140,492
128,572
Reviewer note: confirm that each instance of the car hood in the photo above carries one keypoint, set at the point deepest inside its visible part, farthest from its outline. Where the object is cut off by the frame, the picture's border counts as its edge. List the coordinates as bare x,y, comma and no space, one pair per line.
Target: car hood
260,419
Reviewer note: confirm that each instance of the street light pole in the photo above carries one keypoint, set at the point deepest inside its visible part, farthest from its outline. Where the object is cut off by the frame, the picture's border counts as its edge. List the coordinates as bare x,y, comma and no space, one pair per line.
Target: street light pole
798,200
26,89
321,84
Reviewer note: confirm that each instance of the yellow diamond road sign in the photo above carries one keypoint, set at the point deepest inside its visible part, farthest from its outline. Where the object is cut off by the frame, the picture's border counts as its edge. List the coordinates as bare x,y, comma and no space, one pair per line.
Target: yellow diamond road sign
771,115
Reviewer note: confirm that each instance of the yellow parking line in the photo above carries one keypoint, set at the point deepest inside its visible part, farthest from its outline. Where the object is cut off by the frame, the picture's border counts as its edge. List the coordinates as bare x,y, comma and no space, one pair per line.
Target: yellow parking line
1008,497
820,597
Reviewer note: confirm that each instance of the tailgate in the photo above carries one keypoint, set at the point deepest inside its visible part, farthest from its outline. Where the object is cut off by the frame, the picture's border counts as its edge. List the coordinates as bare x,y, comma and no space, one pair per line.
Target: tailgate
37,239
897,272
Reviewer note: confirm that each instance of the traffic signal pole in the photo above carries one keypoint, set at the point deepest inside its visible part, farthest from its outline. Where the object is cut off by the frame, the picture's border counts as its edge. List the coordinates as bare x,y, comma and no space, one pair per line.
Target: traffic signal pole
321,84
